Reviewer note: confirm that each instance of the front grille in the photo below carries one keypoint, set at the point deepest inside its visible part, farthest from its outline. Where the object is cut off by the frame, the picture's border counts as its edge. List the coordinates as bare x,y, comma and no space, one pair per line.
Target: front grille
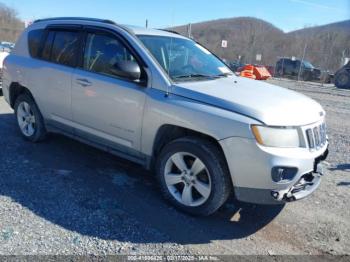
316,136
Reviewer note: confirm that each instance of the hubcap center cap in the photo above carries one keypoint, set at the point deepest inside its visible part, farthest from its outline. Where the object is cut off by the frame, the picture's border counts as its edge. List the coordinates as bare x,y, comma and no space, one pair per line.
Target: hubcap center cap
187,177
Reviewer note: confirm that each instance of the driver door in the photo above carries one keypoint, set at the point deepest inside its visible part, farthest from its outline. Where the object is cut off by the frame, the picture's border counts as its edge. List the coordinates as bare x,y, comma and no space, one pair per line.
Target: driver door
107,108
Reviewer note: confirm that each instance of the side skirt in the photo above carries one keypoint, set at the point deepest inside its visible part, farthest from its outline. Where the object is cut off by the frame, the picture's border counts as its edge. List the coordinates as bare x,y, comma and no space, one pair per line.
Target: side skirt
103,145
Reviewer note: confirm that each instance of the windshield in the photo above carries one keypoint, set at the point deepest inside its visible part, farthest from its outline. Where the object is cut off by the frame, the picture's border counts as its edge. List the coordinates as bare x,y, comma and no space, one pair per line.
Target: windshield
184,59
307,64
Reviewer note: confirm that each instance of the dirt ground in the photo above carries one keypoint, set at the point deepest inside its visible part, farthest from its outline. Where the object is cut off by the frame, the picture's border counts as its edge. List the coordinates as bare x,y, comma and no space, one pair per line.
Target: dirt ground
63,197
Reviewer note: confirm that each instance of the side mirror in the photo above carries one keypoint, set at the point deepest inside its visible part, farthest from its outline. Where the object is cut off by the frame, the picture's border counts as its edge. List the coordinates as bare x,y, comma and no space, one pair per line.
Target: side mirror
127,69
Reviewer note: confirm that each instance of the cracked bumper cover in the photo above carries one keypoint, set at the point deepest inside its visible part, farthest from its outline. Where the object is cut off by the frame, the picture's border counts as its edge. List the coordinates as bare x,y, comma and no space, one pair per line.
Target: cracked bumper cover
250,166
303,188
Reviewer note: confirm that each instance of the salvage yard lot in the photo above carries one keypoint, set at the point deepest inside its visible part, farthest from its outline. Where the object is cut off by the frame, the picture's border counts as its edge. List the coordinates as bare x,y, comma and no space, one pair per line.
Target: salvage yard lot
63,197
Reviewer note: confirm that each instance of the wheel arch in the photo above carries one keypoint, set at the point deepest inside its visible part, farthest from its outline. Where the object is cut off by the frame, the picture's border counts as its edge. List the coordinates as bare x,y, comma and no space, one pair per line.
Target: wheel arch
16,90
168,132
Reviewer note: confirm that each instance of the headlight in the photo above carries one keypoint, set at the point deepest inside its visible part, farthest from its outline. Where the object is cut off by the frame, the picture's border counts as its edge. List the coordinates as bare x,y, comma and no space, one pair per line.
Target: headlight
276,136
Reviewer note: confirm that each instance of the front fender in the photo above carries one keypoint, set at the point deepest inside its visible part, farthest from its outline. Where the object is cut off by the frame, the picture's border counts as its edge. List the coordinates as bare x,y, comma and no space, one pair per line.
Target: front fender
162,109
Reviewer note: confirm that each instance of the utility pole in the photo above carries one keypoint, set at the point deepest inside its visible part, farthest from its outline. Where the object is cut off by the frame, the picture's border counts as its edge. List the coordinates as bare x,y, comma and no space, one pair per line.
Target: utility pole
302,61
189,30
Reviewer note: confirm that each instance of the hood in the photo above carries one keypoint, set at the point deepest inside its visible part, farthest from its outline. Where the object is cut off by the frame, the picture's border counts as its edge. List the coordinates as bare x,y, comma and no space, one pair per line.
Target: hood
270,104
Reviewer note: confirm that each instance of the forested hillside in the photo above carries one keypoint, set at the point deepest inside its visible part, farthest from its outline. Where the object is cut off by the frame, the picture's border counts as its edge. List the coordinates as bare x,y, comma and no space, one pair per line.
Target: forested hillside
325,46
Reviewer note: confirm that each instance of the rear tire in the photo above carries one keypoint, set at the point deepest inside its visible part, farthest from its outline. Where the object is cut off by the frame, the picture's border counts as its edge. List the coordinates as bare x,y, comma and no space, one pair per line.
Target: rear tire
29,119
199,182
280,73
307,76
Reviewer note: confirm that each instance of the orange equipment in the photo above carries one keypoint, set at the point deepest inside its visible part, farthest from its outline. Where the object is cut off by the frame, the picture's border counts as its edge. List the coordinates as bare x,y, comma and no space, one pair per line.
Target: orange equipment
255,72
261,73
248,71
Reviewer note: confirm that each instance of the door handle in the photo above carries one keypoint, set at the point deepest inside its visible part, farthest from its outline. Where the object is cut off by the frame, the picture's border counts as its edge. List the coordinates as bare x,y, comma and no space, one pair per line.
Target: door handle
83,82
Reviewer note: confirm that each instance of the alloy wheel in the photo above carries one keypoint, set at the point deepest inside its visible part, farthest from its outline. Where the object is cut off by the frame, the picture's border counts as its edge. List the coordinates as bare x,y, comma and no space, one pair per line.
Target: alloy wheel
26,119
187,179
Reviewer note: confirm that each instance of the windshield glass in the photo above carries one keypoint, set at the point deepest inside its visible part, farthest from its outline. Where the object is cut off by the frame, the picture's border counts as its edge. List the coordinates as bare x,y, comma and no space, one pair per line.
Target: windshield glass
307,64
184,59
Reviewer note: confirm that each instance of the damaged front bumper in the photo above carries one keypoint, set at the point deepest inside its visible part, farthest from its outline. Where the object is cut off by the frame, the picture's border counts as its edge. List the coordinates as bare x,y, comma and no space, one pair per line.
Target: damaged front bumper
305,186
267,175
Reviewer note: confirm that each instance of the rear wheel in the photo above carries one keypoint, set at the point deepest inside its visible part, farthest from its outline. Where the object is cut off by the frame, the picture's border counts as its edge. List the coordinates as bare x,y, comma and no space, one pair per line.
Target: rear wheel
342,79
307,76
280,72
29,119
193,176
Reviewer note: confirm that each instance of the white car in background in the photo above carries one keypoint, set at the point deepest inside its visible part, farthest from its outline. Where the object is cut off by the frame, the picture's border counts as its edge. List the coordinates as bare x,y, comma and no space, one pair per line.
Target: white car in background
3,55
6,46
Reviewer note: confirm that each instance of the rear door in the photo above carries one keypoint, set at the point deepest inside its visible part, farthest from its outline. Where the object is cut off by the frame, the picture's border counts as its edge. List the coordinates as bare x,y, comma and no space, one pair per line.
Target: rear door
58,60
288,67
107,108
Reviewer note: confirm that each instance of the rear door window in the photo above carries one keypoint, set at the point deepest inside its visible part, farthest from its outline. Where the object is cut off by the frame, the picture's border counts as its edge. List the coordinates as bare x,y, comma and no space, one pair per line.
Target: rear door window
65,48
61,47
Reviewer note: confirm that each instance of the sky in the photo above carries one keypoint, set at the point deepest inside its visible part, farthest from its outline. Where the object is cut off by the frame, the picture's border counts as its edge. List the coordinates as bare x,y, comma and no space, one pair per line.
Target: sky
287,15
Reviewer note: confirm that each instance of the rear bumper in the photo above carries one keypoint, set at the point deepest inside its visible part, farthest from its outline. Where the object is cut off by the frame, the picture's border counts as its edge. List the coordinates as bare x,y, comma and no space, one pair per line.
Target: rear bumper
251,168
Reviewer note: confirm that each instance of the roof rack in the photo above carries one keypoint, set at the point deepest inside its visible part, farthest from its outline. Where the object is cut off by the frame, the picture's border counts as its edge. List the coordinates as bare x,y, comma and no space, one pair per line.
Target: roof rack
106,21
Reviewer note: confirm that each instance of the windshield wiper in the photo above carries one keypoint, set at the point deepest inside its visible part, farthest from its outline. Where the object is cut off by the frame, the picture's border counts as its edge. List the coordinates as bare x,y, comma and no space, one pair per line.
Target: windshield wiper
195,76
224,75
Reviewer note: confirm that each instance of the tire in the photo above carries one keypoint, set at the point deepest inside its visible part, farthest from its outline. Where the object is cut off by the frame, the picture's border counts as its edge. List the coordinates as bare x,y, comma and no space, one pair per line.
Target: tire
342,79
213,180
280,73
29,119
307,76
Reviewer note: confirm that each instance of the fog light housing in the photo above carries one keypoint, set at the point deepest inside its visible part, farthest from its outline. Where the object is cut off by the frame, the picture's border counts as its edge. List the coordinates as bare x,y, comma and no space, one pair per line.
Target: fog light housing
282,174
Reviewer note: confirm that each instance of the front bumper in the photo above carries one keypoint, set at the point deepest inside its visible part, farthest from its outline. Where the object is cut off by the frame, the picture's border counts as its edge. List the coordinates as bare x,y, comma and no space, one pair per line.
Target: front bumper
305,186
251,168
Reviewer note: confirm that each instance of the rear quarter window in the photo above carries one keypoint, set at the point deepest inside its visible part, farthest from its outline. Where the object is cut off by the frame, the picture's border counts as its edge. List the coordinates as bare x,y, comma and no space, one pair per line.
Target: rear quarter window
34,42
48,45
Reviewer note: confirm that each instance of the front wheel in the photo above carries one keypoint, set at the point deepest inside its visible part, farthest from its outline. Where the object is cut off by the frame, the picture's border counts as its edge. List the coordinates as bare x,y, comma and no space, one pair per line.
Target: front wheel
193,176
342,79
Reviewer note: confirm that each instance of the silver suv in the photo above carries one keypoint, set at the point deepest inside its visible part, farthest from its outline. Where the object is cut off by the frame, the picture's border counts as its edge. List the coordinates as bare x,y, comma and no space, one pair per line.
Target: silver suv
164,101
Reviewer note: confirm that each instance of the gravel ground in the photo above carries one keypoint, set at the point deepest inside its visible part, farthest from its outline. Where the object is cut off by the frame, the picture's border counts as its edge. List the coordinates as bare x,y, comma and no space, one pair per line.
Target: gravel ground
63,197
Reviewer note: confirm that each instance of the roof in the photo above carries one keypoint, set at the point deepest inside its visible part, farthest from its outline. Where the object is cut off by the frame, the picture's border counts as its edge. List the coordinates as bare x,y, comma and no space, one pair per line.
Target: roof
88,19
137,30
